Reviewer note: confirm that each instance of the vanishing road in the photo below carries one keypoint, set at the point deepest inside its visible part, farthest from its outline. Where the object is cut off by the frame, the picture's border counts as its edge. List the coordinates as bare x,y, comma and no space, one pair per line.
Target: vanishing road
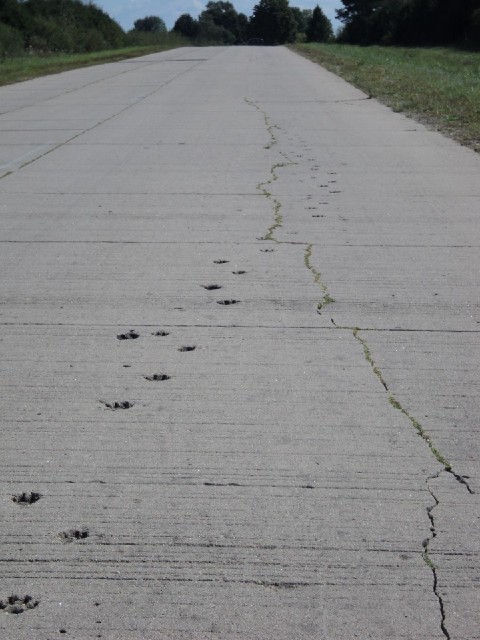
240,346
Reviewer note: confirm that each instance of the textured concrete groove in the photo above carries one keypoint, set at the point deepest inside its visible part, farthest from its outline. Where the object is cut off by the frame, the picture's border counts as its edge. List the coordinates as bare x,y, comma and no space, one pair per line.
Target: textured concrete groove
17,164
267,488
391,398
327,299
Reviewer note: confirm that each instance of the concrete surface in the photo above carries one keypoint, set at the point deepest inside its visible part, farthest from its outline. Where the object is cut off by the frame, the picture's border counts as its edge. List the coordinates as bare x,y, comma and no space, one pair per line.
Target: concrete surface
311,468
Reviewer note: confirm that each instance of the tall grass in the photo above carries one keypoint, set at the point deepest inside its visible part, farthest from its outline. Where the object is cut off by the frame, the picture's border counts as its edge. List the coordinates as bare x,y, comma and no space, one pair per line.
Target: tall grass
30,66
440,87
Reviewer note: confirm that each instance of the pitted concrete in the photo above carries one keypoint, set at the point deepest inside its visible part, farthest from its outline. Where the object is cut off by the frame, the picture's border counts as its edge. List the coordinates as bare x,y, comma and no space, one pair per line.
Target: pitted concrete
239,344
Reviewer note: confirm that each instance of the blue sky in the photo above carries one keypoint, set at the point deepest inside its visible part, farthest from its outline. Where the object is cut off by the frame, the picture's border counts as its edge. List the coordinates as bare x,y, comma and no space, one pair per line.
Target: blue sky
125,12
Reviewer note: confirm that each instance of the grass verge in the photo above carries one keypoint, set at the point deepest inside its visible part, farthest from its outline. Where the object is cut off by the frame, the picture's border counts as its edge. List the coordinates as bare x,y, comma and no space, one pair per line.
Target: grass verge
32,66
438,87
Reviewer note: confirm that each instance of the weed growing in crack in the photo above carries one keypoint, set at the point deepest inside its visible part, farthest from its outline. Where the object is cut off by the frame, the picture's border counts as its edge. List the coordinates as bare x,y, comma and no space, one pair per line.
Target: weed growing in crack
270,127
262,186
317,278
369,359
422,433
447,468
398,406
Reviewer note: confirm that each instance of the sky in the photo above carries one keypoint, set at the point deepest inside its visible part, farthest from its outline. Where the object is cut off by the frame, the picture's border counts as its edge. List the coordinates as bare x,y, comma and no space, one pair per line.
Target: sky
125,12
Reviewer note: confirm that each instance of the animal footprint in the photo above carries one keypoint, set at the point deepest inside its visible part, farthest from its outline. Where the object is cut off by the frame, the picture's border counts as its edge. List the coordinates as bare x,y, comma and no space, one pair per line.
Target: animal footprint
15,604
130,335
27,498
117,405
157,377
74,534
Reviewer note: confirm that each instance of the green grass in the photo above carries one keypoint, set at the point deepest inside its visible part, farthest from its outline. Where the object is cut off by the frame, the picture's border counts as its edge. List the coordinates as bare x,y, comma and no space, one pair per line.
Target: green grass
439,87
32,66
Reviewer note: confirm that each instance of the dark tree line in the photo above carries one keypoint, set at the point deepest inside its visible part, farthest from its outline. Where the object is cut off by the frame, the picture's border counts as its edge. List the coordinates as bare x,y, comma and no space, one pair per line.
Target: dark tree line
56,25
411,22
75,26
272,22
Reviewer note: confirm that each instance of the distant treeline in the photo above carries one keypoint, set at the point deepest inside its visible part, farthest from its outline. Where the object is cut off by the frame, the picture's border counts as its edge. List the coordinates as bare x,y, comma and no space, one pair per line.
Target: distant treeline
74,26
56,25
411,22
67,26
272,22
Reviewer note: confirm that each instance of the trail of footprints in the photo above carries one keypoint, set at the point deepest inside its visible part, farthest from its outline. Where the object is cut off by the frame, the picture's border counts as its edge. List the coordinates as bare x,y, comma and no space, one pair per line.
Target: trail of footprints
133,334
15,604
332,190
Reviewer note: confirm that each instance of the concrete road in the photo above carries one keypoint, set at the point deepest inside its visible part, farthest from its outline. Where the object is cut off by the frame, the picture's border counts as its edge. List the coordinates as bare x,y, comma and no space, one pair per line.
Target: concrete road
239,331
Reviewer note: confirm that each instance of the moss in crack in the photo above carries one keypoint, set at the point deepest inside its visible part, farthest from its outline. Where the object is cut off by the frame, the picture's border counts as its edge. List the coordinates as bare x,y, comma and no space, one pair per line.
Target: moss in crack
277,205
263,186
422,433
369,358
277,221
317,278
268,125
398,406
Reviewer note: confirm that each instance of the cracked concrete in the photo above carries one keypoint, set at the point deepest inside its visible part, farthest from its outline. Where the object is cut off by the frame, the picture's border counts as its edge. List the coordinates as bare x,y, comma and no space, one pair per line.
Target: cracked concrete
428,560
310,467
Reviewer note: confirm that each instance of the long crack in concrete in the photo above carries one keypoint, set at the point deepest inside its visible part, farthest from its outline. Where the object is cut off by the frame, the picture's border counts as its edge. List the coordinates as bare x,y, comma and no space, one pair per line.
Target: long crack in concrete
393,401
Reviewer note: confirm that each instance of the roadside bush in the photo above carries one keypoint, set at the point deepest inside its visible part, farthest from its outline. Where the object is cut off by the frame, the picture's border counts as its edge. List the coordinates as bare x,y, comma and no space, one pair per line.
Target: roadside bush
93,40
474,34
136,38
11,42
48,35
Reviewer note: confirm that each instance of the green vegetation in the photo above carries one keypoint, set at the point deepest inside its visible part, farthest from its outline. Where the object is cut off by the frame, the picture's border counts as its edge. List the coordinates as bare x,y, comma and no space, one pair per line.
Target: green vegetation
317,278
411,22
440,87
56,26
272,22
28,67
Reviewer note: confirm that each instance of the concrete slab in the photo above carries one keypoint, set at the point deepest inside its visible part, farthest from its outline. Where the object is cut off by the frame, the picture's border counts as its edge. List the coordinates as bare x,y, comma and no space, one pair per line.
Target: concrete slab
300,461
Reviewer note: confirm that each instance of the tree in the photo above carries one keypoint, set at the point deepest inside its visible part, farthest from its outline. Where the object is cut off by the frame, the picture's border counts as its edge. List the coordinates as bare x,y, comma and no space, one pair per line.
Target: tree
243,27
186,26
152,24
319,28
222,14
209,32
273,21
357,9
302,17
358,17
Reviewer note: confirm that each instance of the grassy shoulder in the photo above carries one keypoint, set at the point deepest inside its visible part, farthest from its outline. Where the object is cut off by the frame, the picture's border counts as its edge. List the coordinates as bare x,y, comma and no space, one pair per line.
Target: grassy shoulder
32,66
439,87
